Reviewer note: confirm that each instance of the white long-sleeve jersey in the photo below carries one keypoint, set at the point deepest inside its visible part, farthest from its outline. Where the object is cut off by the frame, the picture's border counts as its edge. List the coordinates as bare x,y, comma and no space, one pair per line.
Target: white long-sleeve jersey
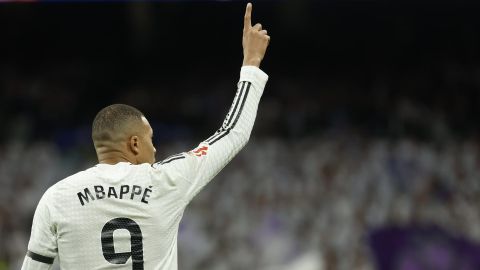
126,216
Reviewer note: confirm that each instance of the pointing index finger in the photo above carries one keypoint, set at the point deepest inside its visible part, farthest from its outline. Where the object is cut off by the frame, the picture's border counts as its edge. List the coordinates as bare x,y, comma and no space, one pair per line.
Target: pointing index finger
247,23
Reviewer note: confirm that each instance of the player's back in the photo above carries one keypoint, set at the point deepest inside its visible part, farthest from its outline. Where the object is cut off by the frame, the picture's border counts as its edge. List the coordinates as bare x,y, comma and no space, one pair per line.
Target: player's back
119,215
126,216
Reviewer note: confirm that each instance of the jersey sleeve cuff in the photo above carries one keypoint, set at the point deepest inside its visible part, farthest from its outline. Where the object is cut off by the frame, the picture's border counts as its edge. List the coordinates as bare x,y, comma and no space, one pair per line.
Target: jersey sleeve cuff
255,75
40,258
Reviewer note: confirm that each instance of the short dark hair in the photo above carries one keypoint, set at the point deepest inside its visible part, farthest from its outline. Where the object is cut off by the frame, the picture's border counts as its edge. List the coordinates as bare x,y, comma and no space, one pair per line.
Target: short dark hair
113,119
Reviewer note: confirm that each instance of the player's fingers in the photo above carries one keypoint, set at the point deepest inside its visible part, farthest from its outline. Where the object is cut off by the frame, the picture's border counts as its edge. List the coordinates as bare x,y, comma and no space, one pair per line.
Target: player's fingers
257,27
247,21
264,32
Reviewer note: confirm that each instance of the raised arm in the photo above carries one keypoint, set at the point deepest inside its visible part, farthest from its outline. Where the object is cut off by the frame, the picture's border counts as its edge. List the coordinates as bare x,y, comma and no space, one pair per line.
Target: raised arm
197,167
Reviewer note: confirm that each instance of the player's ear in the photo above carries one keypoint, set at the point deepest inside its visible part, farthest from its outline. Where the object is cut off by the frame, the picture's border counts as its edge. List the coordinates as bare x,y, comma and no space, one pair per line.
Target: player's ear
133,144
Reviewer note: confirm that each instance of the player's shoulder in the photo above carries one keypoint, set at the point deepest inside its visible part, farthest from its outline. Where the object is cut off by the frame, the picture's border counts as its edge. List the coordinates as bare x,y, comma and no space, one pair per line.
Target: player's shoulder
71,181
176,167
197,153
169,161
57,191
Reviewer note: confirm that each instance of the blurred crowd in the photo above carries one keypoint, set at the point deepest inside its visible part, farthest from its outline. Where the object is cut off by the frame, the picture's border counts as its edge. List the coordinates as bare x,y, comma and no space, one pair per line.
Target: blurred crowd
328,165
282,204
282,201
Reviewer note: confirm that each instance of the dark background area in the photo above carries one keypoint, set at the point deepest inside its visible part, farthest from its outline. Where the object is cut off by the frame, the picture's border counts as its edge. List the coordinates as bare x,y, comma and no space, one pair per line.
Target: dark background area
353,60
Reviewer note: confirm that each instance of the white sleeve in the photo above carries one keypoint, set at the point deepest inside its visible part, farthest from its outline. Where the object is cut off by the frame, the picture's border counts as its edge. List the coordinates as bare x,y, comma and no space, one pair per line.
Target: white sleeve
198,166
42,247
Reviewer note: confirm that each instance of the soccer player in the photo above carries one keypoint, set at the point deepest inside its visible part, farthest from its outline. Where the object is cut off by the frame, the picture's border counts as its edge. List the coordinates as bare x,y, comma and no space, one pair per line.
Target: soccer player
124,213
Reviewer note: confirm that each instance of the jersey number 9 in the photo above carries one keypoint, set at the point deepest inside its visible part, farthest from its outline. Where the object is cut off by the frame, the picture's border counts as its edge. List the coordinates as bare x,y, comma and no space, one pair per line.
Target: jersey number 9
136,244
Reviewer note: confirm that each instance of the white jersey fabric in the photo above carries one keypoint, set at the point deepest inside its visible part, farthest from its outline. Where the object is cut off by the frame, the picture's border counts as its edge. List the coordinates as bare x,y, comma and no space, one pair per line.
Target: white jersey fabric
126,216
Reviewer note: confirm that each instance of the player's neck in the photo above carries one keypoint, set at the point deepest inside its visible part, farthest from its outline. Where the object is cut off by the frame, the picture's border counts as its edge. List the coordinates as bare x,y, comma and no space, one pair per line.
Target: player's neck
113,155
113,160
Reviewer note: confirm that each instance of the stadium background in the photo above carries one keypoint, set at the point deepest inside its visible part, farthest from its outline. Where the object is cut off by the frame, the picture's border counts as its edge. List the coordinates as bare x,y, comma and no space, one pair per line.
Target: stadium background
365,153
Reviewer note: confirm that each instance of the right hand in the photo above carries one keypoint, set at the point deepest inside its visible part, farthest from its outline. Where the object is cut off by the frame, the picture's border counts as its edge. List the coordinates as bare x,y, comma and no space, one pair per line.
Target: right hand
255,40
